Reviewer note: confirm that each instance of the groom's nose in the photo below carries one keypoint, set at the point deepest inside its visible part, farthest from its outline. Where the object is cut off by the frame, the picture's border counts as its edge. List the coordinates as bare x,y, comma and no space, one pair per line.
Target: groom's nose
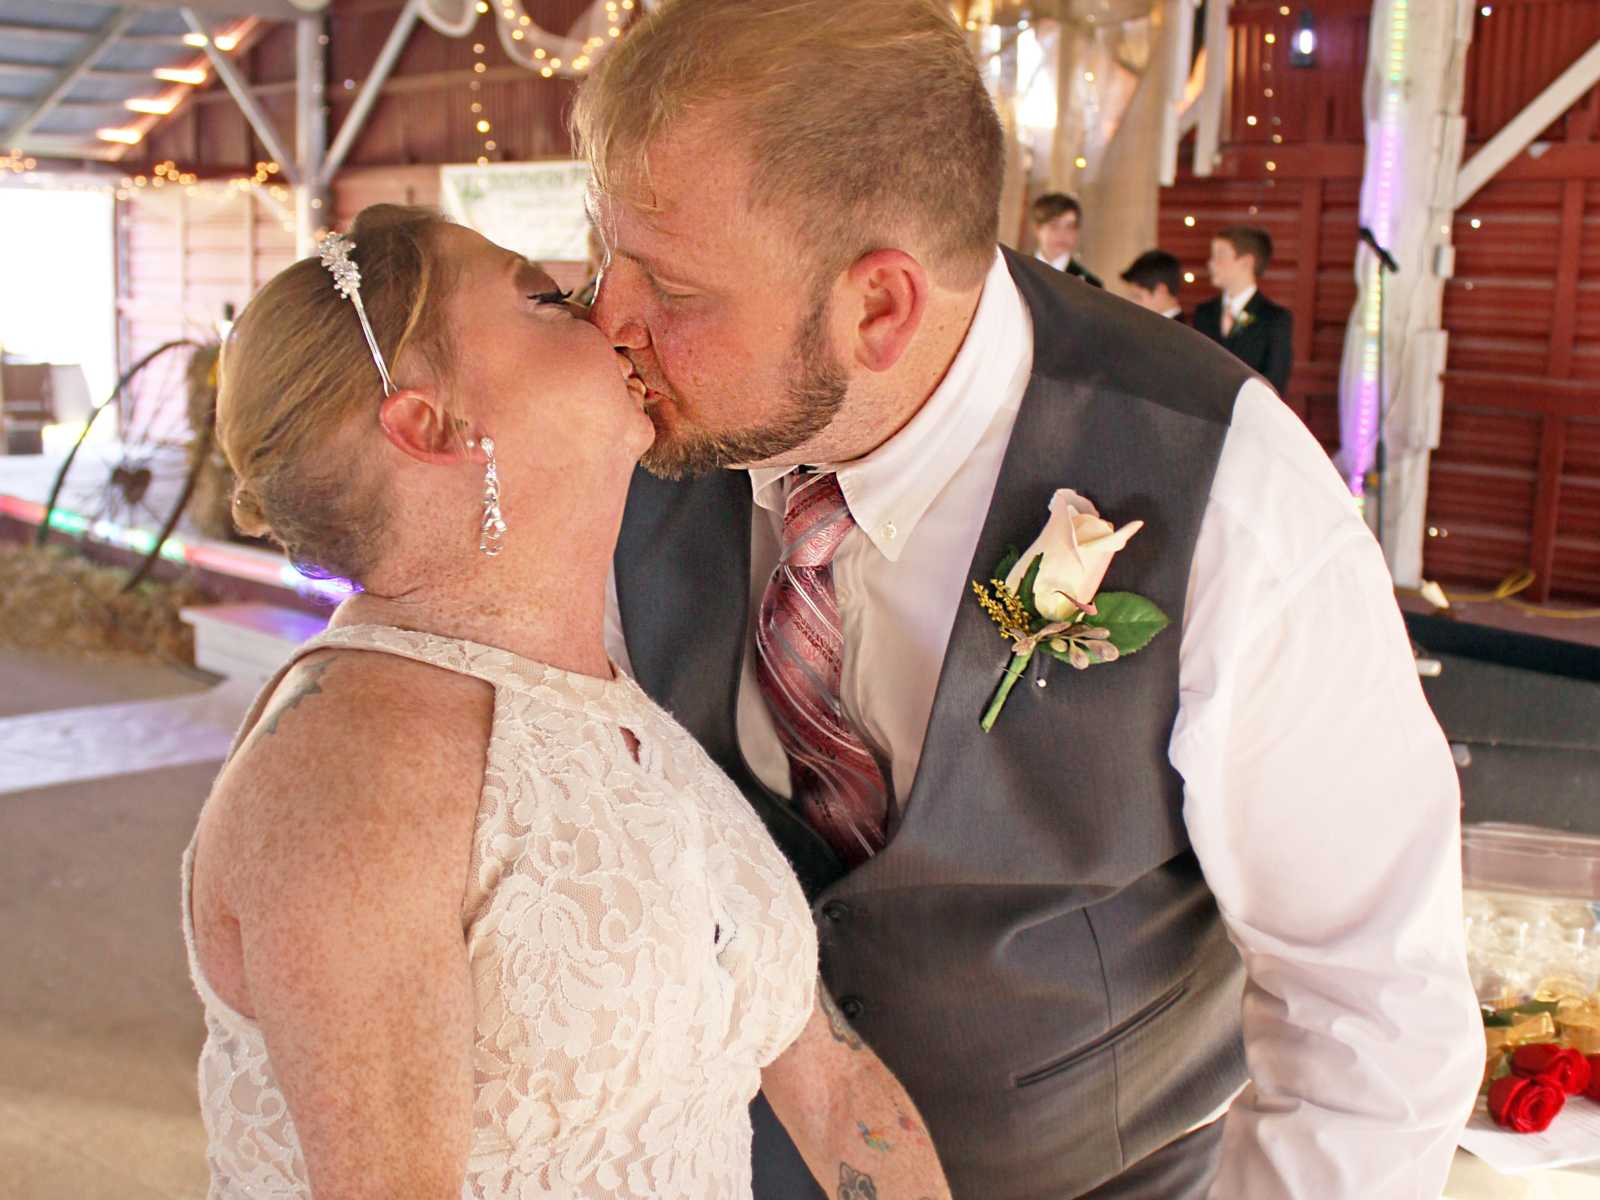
615,317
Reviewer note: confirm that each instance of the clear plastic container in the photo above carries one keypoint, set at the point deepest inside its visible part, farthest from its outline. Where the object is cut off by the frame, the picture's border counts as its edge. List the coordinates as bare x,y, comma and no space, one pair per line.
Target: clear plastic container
1532,906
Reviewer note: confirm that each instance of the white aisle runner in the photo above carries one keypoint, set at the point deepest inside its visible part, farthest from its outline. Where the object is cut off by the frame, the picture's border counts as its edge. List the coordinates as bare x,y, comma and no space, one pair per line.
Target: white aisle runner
73,745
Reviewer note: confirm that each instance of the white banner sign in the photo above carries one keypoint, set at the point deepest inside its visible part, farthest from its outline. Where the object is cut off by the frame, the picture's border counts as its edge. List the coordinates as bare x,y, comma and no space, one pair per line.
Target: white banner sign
534,208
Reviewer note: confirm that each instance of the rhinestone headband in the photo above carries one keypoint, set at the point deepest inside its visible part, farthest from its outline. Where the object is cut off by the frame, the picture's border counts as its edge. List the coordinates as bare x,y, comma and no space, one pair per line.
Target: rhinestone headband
334,251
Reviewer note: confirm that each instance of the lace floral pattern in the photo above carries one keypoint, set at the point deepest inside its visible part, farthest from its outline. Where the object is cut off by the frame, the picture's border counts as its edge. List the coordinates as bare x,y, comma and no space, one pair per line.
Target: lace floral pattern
639,951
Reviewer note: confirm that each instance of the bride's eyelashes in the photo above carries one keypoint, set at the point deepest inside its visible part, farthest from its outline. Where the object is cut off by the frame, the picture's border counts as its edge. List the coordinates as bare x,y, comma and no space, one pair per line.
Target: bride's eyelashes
555,297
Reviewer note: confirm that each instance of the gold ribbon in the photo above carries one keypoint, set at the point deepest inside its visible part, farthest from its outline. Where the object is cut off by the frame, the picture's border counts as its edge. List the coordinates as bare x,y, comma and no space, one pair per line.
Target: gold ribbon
1580,1025
1539,1027
1498,1039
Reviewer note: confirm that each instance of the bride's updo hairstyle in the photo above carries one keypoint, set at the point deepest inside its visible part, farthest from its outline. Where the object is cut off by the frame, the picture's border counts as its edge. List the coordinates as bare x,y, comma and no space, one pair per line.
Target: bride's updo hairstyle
298,393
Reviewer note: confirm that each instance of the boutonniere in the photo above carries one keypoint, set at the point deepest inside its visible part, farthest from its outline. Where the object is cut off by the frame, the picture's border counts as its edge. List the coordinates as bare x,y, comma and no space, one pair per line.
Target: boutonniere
1243,319
1048,598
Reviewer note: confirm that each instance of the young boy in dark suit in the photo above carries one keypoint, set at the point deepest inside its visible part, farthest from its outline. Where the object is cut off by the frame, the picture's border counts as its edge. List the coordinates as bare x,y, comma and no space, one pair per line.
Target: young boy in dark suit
1056,221
1257,331
1154,279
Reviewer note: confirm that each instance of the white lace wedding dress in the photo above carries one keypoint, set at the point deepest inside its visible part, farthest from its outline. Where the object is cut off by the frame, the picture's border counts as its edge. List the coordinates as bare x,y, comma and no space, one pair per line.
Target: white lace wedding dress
639,951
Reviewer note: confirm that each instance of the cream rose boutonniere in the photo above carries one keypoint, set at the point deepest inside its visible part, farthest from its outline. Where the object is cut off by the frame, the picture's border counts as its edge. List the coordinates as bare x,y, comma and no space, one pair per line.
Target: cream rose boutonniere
1048,597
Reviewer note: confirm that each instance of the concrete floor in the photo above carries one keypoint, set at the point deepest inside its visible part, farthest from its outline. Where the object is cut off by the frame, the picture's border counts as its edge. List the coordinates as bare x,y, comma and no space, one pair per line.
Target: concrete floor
33,681
99,1027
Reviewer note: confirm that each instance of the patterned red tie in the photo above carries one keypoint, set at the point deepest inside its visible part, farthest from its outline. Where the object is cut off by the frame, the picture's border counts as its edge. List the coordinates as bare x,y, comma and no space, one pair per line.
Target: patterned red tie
838,785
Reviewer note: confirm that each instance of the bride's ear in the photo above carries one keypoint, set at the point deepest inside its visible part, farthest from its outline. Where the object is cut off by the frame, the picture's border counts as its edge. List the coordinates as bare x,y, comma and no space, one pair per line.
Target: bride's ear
893,291
418,427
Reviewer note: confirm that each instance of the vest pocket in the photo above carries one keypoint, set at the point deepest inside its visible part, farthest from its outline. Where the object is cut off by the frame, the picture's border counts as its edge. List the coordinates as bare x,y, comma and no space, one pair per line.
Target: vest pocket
1109,1038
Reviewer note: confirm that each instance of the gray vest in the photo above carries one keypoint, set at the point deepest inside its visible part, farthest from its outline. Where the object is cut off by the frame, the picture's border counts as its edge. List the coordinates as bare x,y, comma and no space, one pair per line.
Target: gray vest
1035,954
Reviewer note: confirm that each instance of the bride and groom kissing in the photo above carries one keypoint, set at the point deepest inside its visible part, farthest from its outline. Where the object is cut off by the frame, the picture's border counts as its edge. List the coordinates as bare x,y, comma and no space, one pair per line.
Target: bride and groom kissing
616,796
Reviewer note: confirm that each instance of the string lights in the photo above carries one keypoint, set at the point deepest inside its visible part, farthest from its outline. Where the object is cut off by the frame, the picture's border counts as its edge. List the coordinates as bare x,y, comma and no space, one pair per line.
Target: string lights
17,163
570,55
168,174
184,77
1390,124
480,123
529,45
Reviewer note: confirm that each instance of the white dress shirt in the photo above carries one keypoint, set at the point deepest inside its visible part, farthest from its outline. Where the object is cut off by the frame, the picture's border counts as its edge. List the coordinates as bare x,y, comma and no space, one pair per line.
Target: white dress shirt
1234,306
1319,793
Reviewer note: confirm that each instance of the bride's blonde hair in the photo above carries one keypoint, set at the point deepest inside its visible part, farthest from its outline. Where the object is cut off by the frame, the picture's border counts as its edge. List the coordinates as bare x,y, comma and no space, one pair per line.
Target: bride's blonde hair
298,389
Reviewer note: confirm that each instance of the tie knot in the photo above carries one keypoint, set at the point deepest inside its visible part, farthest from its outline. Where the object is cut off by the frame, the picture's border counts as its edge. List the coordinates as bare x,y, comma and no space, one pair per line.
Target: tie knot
815,521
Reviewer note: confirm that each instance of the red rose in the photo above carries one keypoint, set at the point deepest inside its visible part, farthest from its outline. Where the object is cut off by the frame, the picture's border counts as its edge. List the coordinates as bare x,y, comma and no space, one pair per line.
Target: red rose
1525,1105
1593,1090
1560,1065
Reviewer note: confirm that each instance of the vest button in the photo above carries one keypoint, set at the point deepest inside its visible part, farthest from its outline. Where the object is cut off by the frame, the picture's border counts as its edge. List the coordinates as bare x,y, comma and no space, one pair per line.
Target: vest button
851,1006
835,910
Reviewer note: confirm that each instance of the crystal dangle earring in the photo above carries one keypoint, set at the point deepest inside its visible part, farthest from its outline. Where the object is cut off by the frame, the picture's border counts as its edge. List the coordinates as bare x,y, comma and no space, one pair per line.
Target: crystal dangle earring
492,532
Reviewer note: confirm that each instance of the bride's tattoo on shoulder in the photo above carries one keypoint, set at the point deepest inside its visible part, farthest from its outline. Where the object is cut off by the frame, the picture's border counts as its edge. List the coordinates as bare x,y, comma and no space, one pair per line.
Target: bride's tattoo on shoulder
309,685
853,1185
837,1025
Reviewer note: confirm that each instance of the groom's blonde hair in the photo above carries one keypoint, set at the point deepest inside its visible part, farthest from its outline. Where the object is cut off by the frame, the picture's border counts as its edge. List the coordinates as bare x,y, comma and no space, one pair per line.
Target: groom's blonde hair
866,121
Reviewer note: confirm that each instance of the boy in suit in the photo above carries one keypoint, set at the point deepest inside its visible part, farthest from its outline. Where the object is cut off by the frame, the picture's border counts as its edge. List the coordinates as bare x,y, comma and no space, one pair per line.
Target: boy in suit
1056,220
1253,328
1153,281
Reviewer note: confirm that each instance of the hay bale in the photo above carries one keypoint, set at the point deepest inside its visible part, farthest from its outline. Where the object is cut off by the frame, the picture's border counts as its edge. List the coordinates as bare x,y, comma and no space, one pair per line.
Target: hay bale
51,599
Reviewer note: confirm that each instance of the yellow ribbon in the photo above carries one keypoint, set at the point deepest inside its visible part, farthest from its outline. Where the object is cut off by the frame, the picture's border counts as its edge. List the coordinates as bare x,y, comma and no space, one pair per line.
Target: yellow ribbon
1580,1025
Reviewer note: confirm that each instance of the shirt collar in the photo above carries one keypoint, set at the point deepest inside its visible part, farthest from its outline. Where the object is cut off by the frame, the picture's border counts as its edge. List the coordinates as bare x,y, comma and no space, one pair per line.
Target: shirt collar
1059,264
1174,312
1236,304
890,489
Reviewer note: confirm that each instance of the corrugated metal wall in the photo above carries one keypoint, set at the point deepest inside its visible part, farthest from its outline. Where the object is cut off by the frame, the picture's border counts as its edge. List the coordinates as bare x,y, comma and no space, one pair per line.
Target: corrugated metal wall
1516,480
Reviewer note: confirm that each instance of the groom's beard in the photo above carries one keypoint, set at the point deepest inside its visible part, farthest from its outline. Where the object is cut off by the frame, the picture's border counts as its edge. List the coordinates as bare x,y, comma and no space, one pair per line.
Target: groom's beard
816,391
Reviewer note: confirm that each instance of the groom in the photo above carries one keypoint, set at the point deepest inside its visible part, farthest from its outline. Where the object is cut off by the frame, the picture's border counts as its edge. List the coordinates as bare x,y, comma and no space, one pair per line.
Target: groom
1220,872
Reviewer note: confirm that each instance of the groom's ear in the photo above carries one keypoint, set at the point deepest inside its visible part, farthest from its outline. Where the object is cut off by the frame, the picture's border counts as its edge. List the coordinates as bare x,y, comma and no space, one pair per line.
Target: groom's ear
893,291
416,426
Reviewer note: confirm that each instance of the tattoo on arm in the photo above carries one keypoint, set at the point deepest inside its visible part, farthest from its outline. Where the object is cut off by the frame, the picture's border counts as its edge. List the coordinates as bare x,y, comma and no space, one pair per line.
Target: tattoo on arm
837,1025
853,1185
907,1125
308,686
875,1139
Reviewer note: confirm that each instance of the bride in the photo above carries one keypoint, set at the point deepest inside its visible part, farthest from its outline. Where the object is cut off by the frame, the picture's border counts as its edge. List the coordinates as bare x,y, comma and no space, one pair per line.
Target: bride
469,914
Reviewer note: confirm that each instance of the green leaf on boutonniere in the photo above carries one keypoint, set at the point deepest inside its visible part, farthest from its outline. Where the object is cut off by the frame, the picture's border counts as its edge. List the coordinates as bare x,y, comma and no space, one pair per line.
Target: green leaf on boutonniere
1025,588
1496,1020
1006,563
1131,619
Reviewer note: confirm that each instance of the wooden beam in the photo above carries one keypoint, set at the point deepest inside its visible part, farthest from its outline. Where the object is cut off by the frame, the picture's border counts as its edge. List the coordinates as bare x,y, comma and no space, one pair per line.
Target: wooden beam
1547,504
1176,119
1528,124
371,89
1305,283
1214,94
240,91
1331,160
1564,303
1561,161
49,145
310,130
1521,393
45,70
18,31
99,42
